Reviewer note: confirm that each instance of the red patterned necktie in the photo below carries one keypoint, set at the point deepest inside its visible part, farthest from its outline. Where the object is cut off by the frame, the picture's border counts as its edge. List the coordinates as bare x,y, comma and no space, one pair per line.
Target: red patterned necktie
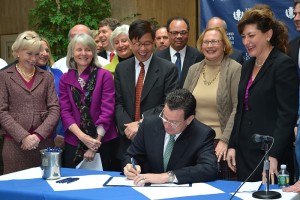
138,92
111,56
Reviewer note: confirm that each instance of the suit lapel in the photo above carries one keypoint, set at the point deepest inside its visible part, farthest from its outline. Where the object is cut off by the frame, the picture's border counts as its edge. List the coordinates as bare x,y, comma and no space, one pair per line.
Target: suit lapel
159,141
179,148
37,79
296,50
167,54
16,78
189,59
265,67
130,73
71,79
151,77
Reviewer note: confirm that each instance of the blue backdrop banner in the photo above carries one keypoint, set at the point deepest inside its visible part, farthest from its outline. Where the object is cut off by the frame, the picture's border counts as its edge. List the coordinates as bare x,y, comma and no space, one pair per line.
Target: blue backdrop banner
232,11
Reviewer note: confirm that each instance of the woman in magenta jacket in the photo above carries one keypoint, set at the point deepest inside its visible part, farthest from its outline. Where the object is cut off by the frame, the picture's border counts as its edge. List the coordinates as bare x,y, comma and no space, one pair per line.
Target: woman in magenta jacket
87,100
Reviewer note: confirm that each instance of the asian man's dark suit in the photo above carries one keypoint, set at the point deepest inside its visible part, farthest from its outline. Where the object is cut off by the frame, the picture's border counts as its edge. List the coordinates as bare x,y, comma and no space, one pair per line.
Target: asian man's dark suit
161,78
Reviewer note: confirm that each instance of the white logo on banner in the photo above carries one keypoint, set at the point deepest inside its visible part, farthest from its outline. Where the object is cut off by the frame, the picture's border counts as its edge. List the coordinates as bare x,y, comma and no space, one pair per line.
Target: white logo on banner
238,14
289,12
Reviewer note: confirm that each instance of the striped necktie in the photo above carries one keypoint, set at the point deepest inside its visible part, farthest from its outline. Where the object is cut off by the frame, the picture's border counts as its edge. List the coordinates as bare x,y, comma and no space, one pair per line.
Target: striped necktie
178,64
168,151
111,56
138,92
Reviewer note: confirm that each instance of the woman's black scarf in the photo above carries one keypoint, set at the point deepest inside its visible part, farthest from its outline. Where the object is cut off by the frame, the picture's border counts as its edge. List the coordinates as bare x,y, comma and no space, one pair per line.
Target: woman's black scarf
86,122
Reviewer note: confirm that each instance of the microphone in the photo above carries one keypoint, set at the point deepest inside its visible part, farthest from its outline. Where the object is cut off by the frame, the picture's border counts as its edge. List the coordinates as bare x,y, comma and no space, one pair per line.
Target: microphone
267,194
256,138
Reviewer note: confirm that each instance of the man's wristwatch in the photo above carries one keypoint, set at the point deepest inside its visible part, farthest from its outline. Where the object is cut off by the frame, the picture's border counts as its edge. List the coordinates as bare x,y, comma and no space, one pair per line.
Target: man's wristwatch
171,176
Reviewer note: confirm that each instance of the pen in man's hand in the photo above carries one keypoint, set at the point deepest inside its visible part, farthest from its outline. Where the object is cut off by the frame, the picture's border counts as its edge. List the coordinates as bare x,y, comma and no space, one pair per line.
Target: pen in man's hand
133,163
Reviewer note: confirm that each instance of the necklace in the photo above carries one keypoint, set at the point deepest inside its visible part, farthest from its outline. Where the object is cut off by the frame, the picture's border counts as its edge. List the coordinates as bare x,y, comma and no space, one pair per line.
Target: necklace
29,76
259,65
206,82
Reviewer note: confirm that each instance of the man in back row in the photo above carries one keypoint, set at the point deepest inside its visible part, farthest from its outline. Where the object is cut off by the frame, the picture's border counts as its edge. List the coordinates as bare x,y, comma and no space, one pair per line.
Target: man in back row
172,146
161,38
61,64
106,27
179,52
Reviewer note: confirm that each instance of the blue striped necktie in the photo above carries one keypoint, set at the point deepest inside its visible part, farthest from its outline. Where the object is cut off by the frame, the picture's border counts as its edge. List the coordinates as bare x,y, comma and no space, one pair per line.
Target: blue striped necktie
168,151
178,64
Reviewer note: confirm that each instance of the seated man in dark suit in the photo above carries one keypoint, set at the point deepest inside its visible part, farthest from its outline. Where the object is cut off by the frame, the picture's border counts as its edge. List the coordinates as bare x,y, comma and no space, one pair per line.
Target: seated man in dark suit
141,83
172,147
236,54
179,52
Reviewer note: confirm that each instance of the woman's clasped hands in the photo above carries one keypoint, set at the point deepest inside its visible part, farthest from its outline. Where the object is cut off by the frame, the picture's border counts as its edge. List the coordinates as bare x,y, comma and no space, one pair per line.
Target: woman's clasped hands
30,142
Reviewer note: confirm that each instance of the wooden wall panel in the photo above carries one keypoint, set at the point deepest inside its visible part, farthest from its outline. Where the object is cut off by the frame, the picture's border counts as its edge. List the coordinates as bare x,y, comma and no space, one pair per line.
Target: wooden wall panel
161,10
123,8
14,13
14,16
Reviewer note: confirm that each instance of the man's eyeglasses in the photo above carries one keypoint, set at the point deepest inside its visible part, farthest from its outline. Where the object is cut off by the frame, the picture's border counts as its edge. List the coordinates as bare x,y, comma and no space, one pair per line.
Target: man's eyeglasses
32,37
175,33
147,44
212,42
174,125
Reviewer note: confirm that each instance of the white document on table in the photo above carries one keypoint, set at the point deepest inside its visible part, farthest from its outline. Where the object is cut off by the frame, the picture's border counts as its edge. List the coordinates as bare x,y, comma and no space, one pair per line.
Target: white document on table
124,181
250,186
84,182
119,181
30,173
171,192
96,164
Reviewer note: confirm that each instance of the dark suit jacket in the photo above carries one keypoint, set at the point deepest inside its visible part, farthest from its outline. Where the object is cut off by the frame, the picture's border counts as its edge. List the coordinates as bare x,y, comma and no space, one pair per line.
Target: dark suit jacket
161,78
103,54
192,159
237,55
192,56
273,106
293,50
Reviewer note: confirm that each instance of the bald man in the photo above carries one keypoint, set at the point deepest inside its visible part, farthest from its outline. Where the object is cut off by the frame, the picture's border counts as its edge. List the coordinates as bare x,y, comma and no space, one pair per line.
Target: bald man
61,64
236,55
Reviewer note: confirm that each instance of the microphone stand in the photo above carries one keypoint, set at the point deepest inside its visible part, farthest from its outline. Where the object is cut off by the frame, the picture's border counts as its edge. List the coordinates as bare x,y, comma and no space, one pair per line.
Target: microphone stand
266,194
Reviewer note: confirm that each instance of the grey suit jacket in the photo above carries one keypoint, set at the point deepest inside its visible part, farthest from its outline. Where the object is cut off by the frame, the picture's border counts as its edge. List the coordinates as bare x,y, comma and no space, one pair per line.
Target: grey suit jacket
192,56
161,78
192,159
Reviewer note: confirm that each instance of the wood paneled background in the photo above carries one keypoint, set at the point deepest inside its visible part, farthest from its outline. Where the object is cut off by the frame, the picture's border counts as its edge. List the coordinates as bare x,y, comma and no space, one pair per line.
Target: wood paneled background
14,13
